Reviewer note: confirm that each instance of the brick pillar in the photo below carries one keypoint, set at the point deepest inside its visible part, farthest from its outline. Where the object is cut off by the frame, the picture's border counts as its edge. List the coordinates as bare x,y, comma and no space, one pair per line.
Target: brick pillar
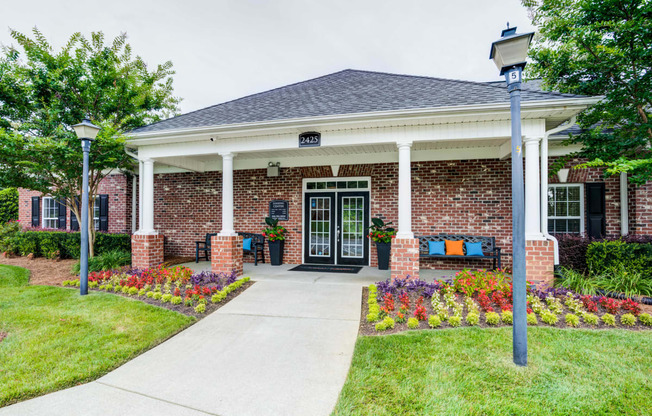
405,258
226,254
540,262
146,250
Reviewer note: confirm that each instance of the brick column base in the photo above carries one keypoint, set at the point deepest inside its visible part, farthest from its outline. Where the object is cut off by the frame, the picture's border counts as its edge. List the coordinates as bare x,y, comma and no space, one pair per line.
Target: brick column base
226,254
146,250
404,260
540,262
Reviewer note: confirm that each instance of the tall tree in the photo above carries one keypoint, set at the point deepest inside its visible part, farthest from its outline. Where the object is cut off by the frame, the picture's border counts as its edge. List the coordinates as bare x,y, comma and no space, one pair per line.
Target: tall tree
601,47
43,93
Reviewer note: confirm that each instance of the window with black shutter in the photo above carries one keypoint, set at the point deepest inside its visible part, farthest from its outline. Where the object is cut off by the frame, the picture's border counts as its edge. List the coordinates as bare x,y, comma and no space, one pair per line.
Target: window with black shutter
62,214
104,213
36,211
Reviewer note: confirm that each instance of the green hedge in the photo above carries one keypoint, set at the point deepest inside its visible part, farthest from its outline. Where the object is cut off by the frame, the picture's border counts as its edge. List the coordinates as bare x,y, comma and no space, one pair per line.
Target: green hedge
602,256
51,244
8,205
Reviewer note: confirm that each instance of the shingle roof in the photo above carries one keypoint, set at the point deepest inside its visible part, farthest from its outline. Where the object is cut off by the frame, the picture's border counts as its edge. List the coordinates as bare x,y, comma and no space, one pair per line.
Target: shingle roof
348,92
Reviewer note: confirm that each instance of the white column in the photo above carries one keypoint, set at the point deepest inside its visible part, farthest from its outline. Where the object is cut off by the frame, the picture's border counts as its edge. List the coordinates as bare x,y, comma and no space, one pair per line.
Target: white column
140,195
624,205
147,198
404,191
532,189
134,202
227,194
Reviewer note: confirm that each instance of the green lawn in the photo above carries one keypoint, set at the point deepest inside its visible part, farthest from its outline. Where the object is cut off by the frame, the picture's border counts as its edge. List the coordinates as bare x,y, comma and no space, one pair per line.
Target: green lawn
469,371
58,339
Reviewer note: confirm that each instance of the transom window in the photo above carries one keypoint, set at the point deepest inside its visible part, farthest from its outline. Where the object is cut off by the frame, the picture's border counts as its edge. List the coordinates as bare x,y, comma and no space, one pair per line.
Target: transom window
337,184
50,213
565,208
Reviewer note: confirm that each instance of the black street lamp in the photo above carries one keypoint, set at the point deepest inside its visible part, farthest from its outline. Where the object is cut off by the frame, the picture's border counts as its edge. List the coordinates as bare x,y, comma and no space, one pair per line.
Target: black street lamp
86,131
509,54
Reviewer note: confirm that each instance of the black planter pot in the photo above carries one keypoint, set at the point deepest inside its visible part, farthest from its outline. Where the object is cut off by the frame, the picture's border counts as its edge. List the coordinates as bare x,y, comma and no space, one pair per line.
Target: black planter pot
383,250
276,252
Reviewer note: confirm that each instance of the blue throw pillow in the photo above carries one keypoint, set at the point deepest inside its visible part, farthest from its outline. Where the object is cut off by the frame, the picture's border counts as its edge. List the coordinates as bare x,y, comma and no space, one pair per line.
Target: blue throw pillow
246,244
473,249
436,248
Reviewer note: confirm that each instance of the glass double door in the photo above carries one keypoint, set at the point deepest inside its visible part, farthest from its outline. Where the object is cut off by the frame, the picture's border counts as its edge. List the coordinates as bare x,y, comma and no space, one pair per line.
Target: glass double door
335,228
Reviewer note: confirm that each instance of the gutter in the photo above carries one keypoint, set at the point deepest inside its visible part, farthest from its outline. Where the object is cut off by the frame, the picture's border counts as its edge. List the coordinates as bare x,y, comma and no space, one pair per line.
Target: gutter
344,119
544,184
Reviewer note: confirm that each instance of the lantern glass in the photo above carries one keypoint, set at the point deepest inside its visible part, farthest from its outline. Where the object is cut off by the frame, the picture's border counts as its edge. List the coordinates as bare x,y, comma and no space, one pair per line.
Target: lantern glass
511,50
86,130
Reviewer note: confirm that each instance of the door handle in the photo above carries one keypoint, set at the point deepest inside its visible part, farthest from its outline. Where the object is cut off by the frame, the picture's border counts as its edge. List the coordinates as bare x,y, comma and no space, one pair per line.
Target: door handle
338,233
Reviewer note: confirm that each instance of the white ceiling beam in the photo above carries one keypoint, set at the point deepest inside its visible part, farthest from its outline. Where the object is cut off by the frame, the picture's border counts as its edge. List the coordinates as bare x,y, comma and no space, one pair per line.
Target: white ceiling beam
184,163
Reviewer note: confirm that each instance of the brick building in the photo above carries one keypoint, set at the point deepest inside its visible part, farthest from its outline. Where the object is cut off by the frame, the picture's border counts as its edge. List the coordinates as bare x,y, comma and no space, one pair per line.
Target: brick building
430,155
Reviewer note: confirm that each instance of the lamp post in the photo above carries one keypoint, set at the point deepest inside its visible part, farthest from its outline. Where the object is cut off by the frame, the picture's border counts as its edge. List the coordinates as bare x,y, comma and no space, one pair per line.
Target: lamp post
86,131
509,54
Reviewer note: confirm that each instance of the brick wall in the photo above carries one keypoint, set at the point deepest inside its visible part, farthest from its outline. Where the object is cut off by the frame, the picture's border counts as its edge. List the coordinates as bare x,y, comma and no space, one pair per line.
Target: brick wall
640,209
146,250
117,186
539,260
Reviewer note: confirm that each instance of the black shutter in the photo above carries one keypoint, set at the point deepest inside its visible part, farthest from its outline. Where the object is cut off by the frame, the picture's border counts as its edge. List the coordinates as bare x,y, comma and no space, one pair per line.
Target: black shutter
62,214
36,211
104,213
74,223
595,210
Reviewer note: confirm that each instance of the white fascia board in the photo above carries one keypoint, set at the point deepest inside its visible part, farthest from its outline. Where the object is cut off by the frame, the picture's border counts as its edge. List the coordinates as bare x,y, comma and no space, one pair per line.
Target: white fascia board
343,121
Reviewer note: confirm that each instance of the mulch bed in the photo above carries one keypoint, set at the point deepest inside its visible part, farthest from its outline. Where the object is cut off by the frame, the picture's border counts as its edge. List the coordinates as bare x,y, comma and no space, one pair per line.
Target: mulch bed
369,328
43,271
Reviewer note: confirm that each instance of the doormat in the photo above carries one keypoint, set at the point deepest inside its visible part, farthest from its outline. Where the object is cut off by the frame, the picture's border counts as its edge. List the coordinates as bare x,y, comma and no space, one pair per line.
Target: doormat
326,268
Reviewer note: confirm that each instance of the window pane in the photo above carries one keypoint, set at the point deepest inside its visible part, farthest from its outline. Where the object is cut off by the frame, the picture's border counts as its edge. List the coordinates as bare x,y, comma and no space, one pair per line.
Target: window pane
573,193
561,209
573,226
560,194
551,209
352,184
311,185
573,209
321,185
551,226
560,226
363,184
341,185
330,185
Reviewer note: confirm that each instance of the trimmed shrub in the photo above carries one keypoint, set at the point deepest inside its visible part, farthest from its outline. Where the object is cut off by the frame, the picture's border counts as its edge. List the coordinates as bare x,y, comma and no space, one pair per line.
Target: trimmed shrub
604,256
549,318
8,205
201,308
413,323
472,319
67,243
434,321
609,319
591,319
532,319
572,320
492,318
646,319
455,321
507,317
628,319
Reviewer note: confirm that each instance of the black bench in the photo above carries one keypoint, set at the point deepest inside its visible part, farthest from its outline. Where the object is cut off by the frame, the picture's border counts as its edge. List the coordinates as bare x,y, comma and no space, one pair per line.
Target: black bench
204,246
489,248
257,246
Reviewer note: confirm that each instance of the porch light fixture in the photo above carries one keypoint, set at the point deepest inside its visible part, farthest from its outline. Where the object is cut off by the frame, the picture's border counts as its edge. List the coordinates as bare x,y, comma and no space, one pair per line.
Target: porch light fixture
509,53
86,132
273,169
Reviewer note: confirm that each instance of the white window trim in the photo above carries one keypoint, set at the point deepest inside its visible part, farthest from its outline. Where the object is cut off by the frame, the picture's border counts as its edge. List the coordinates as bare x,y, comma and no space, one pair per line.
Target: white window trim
582,213
43,218
96,208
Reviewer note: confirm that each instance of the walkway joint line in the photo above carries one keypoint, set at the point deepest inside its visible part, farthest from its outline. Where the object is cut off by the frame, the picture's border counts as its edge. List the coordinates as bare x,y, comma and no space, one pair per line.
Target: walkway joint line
157,398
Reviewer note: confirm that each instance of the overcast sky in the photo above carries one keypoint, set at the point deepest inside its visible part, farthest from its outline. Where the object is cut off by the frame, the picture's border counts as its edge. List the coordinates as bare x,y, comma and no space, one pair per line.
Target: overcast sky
224,50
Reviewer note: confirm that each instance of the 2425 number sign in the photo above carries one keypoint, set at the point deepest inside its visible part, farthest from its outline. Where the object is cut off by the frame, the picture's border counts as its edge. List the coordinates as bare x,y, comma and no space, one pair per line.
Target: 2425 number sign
310,139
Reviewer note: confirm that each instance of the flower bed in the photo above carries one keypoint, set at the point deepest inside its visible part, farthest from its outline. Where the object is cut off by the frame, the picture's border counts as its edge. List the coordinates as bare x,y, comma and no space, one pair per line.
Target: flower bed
482,298
174,288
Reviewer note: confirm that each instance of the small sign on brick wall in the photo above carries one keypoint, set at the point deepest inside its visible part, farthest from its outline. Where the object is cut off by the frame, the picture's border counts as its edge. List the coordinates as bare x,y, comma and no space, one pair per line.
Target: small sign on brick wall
279,210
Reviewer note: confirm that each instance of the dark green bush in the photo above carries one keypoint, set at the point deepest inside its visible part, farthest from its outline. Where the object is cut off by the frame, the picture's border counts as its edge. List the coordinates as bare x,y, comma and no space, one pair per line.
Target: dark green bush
8,205
603,256
65,244
8,231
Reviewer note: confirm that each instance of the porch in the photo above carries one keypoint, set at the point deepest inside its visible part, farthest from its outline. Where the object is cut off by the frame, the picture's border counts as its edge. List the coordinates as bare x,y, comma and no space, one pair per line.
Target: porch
366,276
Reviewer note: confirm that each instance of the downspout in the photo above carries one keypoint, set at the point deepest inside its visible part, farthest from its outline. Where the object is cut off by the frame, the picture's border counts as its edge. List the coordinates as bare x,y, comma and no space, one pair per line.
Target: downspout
544,184
134,194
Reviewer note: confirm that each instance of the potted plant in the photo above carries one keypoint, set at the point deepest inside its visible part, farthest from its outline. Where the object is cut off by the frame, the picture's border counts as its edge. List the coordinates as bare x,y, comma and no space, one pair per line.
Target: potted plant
382,235
276,236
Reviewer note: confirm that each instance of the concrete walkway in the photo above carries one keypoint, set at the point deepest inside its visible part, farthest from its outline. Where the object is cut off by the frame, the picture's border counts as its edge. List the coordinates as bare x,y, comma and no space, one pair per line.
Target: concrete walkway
283,347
